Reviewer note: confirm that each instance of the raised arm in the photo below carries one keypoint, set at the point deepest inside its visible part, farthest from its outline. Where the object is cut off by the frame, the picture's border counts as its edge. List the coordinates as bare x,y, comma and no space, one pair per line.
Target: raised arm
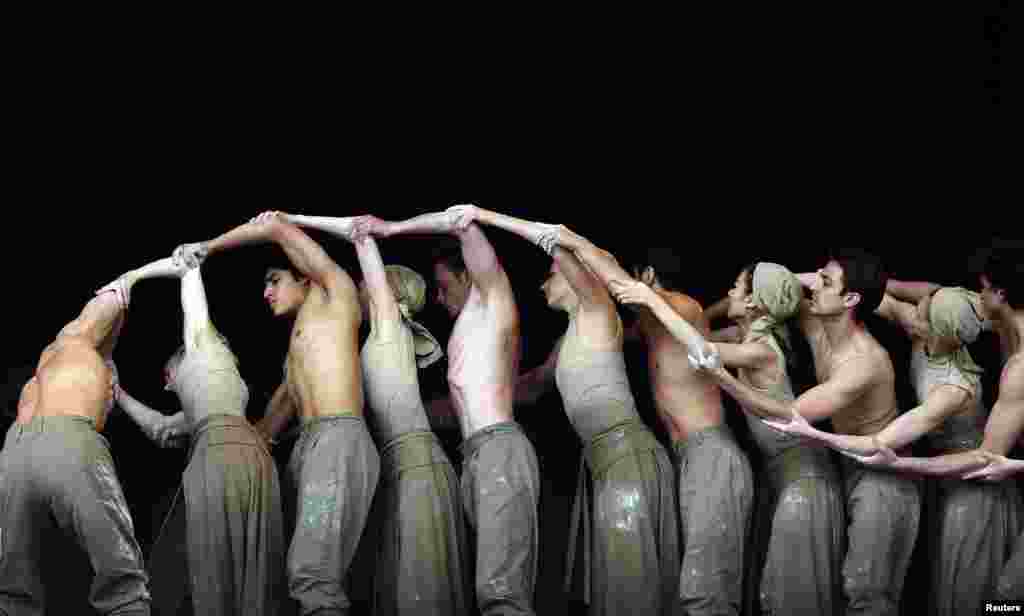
903,314
482,262
164,430
193,304
910,292
591,291
677,316
304,253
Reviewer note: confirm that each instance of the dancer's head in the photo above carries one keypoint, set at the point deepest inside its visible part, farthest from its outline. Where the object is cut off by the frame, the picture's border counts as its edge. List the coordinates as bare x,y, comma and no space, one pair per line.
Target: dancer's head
451,277
1001,280
558,293
284,287
408,287
765,289
851,282
211,340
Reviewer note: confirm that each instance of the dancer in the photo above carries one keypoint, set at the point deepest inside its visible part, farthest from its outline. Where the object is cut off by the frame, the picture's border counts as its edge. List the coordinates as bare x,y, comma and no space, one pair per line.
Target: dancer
57,475
1001,305
798,527
500,475
422,567
334,465
856,391
234,525
633,546
715,480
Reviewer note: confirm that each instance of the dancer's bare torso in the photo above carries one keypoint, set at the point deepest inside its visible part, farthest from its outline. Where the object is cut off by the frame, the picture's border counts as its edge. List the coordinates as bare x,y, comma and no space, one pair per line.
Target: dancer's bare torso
876,407
687,401
322,372
71,379
483,359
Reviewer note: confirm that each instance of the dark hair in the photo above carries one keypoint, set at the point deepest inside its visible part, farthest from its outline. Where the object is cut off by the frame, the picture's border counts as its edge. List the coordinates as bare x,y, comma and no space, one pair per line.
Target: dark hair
280,261
449,253
863,273
1003,269
667,266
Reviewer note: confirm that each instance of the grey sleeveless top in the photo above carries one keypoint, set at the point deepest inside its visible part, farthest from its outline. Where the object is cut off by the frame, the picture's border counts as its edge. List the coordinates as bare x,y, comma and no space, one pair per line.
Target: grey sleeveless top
594,386
391,386
771,442
964,429
208,383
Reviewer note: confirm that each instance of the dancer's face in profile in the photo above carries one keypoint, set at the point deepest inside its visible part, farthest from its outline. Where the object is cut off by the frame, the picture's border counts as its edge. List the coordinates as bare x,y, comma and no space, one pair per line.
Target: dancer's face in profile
283,292
739,296
556,289
828,296
992,298
452,288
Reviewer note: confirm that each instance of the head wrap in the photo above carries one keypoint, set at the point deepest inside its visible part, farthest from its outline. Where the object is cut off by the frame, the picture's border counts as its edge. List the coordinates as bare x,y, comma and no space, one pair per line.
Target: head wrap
411,295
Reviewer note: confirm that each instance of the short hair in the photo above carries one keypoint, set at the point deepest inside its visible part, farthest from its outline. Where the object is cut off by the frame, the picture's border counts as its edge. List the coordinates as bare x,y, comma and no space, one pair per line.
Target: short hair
863,273
667,265
449,253
1003,269
279,260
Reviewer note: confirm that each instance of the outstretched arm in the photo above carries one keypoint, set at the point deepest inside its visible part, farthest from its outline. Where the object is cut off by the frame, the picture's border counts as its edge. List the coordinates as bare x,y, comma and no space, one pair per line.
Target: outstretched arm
820,402
910,292
164,430
482,262
676,318
592,292
304,253
942,402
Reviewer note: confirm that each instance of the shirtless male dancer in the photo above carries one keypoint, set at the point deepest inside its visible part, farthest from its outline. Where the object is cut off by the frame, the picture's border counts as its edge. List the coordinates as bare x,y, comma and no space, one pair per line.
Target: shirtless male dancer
422,565
796,545
57,475
632,525
500,474
1001,299
856,391
335,465
716,488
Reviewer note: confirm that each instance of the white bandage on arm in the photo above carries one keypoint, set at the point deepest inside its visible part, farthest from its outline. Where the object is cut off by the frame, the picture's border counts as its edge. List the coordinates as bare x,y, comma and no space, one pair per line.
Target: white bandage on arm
547,239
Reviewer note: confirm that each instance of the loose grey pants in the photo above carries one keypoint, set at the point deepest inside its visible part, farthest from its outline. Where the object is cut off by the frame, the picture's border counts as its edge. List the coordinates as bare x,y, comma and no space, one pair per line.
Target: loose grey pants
716,497
334,468
57,475
883,510
501,489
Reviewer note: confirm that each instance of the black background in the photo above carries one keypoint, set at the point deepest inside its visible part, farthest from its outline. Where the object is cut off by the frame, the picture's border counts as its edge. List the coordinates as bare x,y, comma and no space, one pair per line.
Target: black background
727,140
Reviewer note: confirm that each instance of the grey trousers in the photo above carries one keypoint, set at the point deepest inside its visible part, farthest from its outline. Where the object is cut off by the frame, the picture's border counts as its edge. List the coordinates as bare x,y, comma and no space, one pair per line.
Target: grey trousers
57,475
1011,582
716,497
883,510
631,532
972,528
500,491
423,566
234,529
334,469
798,536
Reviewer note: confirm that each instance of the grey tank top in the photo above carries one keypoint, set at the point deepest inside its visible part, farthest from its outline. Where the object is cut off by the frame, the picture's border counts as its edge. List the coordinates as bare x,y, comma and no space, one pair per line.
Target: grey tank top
594,386
771,442
965,428
209,383
391,386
